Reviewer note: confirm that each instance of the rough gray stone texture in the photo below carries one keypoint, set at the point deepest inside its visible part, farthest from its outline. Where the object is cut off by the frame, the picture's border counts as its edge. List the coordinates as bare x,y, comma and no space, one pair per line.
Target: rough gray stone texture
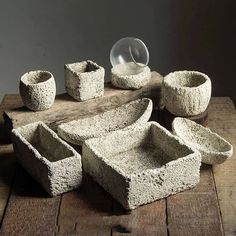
84,80
123,117
213,148
130,76
186,93
38,90
142,164
48,159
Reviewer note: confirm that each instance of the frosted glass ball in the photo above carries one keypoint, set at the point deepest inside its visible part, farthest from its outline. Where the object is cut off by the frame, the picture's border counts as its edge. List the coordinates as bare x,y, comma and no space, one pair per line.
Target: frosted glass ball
132,53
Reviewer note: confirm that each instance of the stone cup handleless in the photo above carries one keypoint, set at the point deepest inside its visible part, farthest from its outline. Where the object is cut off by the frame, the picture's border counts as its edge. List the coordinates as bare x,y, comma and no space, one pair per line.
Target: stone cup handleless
48,159
142,164
38,90
129,76
186,93
84,80
213,148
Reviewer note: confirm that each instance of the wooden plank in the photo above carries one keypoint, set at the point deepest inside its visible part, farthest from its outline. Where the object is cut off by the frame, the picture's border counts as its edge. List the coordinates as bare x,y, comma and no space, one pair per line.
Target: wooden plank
87,211
65,108
92,211
149,219
196,212
9,102
30,211
7,160
7,170
225,175
197,208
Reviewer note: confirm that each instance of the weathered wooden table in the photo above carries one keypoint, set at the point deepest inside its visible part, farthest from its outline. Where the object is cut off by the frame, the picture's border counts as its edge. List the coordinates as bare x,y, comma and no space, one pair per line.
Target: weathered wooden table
208,209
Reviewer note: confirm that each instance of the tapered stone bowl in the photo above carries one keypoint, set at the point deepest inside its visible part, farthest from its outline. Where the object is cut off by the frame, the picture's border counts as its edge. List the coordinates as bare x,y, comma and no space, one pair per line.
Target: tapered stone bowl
38,90
186,93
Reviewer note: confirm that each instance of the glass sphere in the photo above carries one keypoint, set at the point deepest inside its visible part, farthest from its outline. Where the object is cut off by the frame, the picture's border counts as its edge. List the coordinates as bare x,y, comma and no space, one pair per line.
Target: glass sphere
132,53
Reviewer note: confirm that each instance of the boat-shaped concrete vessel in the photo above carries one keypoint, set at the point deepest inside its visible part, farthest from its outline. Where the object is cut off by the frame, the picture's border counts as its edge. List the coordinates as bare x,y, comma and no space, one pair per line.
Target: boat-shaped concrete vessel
135,112
213,148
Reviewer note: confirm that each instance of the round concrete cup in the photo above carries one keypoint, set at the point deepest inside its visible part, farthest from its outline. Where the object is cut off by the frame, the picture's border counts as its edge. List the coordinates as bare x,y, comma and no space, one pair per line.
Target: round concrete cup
186,93
38,90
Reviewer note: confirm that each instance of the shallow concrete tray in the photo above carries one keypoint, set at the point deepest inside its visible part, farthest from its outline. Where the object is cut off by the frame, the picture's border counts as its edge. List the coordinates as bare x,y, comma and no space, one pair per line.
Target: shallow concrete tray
142,164
128,76
213,148
135,112
47,158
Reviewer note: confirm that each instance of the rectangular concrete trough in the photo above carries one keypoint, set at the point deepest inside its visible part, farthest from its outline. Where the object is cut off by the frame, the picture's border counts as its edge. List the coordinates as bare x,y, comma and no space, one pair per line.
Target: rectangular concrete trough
141,165
47,158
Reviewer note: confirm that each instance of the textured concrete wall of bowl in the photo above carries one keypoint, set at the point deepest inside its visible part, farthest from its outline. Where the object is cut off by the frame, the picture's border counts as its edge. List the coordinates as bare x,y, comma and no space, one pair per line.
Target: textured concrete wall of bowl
192,35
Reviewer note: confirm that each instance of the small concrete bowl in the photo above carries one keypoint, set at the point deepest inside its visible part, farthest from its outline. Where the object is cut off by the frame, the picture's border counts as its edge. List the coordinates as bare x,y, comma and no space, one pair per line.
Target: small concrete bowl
38,90
135,112
213,148
128,76
186,93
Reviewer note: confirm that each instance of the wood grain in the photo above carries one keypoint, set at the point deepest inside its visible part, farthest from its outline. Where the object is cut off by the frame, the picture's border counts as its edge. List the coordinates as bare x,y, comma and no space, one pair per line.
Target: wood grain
149,219
7,170
7,159
196,211
86,211
30,211
91,211
65,108
224,123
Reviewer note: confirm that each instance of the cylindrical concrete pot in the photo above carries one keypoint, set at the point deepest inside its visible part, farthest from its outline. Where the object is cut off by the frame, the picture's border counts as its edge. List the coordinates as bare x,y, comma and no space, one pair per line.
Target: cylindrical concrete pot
38,90
186,93
127,77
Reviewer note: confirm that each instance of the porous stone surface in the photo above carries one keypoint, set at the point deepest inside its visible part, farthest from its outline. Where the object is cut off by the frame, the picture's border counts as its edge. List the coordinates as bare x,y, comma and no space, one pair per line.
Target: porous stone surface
84,80
135,112
186,93
129,76
48,159
38,90
213,148
142,164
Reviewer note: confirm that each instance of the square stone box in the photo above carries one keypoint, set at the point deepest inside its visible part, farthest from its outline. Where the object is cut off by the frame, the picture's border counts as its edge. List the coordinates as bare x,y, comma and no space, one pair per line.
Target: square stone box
84,80
47,158
141,165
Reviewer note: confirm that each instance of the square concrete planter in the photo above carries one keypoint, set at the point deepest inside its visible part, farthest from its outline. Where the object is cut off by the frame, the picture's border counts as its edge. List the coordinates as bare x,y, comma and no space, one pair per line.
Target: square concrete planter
84,80
141,165
48,159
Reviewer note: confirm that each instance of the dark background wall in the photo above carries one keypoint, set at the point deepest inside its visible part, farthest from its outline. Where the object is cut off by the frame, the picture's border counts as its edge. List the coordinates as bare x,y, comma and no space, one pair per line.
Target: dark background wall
180,34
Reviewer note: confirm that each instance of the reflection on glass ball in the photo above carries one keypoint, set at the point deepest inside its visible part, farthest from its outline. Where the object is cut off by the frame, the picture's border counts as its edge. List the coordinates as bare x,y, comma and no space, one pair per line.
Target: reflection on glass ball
129,55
